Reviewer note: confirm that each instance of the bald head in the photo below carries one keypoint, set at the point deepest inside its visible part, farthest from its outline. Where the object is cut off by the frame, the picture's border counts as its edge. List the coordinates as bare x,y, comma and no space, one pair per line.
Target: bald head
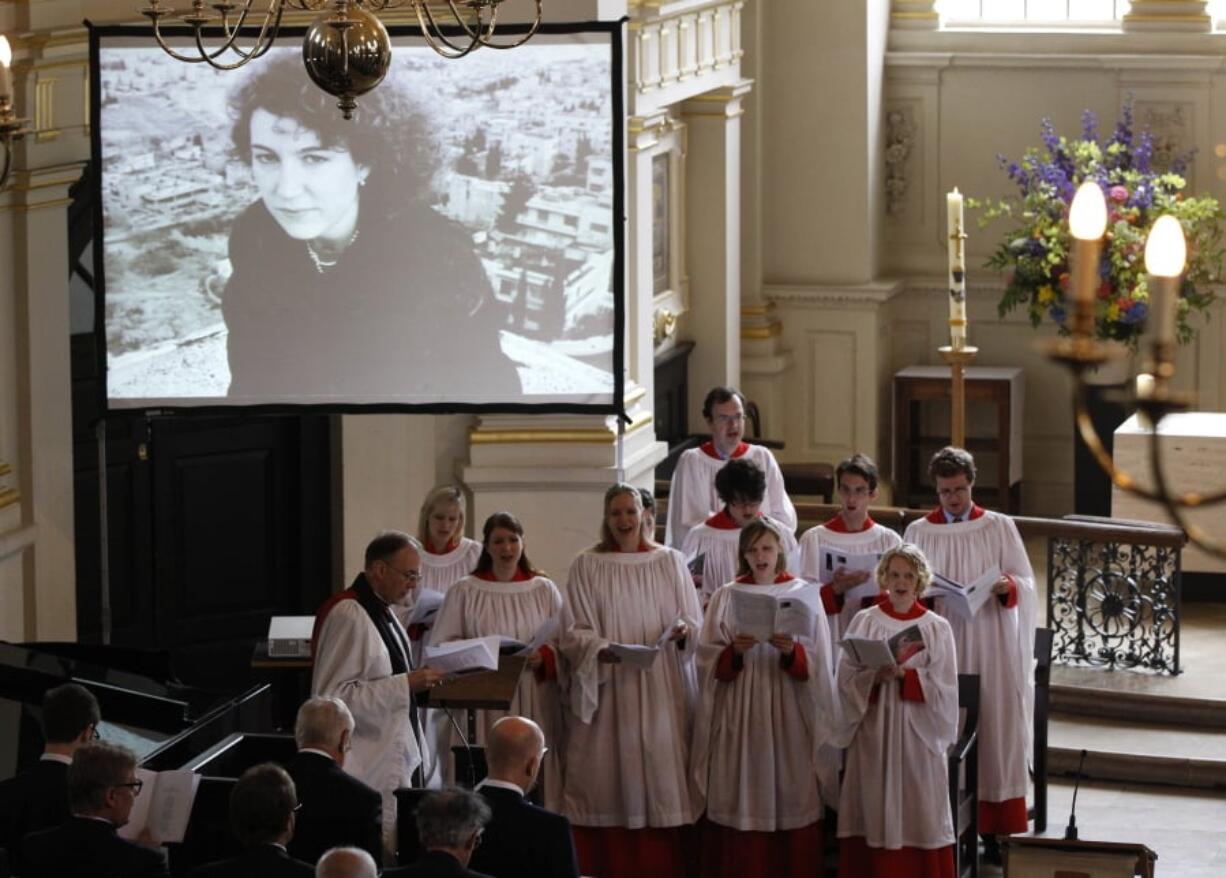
346,863
513,750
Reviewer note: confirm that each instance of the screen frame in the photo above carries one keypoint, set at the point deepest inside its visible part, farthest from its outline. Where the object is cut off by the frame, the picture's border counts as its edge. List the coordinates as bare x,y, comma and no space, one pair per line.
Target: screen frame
616,34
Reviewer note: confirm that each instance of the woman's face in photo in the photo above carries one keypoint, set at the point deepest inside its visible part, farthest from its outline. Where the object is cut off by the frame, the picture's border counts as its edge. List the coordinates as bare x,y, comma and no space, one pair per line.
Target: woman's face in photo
310,190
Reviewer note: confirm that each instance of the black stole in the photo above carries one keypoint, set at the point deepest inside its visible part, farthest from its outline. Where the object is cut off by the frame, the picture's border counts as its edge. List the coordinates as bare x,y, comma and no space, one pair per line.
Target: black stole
381,618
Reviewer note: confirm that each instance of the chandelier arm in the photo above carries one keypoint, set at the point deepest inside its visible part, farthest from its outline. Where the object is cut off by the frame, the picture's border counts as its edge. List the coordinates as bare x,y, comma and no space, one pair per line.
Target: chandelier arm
1196,534
263,40
515,44
473,33
1085,426
438,41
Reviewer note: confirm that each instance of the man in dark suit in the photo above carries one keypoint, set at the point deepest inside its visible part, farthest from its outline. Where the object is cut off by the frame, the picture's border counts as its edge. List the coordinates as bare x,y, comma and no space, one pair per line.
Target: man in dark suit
37,798
335,808
262,808
449,823
102,786
521,839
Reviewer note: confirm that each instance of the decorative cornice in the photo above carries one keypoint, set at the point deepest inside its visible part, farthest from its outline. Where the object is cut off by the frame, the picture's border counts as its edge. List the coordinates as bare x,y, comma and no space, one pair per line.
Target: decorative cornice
868,296
606,435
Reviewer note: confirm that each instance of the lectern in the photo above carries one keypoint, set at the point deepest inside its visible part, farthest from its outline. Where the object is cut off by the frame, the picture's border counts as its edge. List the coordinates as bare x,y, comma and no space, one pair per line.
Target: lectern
486,690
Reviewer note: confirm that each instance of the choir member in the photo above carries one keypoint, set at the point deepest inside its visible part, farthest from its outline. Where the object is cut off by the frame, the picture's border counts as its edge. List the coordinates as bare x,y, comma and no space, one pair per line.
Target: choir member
627,786
507,596
852,532
710,548
692,497
899,721
765,709
963,541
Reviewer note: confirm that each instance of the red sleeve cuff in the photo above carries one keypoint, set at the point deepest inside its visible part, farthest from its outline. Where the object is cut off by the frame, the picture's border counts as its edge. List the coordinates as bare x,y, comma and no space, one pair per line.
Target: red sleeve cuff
1009,601
548,668
831,602
417,630
729,665
796,664
912,689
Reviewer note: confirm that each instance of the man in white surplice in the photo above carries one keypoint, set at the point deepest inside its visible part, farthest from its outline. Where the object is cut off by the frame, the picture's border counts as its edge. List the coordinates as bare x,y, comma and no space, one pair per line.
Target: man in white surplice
362,657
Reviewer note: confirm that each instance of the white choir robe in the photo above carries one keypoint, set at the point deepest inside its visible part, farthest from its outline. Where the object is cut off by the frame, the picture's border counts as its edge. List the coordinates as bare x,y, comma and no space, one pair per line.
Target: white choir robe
438,573
997,644
895,785
692,497
871,540
718,539
627,761
756,738
352,664
476,607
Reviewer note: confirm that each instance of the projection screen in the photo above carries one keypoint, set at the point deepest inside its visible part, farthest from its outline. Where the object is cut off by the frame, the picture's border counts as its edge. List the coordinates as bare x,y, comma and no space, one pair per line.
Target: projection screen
457,246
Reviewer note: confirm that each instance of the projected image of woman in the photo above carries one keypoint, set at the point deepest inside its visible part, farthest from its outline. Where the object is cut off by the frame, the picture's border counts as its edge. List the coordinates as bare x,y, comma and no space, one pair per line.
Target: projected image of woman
346,284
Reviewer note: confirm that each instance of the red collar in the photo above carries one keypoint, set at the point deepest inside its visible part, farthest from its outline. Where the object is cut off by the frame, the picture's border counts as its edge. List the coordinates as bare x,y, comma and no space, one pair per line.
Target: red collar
748,579
722,521
937,516
838,526
708,448
450,547
917,609
488,576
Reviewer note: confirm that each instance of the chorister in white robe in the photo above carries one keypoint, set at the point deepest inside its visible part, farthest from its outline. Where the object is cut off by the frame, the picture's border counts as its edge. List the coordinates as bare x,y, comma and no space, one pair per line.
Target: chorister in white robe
692,497
438,573
352,663
718,540
895,788
478,607
872,539
757,735
997,645
628,739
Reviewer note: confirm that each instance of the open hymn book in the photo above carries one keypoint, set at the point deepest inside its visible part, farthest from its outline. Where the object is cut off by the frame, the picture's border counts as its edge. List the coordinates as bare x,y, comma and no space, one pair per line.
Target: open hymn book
641,656
164,805
464,656
872,653
965,600
762,615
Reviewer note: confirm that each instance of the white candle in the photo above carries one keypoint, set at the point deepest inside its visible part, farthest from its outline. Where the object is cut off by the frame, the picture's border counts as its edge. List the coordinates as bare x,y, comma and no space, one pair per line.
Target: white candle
957,270
6,58
1166,254
1145,385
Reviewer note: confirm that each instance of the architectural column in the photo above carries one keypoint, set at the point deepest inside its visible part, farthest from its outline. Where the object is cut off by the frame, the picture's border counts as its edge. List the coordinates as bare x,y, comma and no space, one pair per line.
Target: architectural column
713,237
1168,15
915,15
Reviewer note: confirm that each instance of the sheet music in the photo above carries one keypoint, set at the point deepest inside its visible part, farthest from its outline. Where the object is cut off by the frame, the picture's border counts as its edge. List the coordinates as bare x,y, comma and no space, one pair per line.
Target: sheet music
426,608
762,615
833,559
867,652
966,600
164,805
638,655
464,656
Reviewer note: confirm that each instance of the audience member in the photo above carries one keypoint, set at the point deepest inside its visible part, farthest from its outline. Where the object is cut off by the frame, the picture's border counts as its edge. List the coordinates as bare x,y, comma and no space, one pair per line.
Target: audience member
335,808
346,863
102,786
449,826
521,840
37,798
262,811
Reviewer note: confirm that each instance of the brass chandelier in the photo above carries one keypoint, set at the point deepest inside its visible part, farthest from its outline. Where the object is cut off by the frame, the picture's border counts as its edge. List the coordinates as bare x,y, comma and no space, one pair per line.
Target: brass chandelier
1165,258
346,50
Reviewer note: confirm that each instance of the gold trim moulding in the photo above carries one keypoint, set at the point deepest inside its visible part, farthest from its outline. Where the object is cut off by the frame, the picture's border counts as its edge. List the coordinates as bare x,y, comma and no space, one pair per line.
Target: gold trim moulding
9,497
756,310
759,333
5,469
593,436
1195,18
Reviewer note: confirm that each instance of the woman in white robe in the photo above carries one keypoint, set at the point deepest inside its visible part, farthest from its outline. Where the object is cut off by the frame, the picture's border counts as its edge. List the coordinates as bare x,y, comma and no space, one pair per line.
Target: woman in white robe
900,719
766,707
628,792
507,596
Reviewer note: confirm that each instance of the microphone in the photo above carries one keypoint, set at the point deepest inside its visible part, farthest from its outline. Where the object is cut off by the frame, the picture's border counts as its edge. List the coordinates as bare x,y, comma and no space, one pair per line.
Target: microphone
1070,831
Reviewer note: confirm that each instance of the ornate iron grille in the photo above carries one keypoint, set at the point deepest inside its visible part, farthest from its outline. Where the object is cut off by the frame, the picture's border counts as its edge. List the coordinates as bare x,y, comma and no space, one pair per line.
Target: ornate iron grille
1114,605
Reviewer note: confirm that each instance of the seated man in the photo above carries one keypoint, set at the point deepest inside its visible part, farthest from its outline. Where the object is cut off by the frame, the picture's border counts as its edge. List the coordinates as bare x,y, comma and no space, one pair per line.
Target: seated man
262,810
37,798
336,809
692,497
521,839
102,786
449,823
346,863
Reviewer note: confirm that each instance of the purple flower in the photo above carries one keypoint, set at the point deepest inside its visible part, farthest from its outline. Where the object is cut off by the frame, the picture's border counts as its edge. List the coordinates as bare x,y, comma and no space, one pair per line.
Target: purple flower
1118,194
1136,314
1057,313
1050,139
1144,152
1089,125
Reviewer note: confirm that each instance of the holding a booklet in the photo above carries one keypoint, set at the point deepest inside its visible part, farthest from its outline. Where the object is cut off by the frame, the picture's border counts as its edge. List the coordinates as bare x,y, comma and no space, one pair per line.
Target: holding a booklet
898,687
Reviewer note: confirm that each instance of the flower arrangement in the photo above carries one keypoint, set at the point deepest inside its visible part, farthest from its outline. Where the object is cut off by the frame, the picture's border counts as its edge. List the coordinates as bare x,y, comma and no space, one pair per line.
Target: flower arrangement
1035,252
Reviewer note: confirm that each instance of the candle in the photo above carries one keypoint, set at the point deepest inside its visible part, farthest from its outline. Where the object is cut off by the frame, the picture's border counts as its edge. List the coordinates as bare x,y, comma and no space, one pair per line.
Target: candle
957,271
1166,251
1145,385
6,82
1087,222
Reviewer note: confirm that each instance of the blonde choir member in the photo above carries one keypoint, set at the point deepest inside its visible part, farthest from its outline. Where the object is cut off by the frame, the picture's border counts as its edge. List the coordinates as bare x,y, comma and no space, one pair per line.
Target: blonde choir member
627,790
766,707
507,596
899,721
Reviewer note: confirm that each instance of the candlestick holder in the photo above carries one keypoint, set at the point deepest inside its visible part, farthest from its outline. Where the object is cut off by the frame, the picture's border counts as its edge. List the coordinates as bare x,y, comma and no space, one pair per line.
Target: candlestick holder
958,358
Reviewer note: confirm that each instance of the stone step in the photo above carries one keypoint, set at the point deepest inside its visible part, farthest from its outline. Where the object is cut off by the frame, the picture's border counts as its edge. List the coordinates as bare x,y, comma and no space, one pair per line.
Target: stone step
1134,751
1173,702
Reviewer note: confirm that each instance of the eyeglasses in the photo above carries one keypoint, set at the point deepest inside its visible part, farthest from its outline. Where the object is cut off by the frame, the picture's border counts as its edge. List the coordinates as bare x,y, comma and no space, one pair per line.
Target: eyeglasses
135,786
409,575
297,807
